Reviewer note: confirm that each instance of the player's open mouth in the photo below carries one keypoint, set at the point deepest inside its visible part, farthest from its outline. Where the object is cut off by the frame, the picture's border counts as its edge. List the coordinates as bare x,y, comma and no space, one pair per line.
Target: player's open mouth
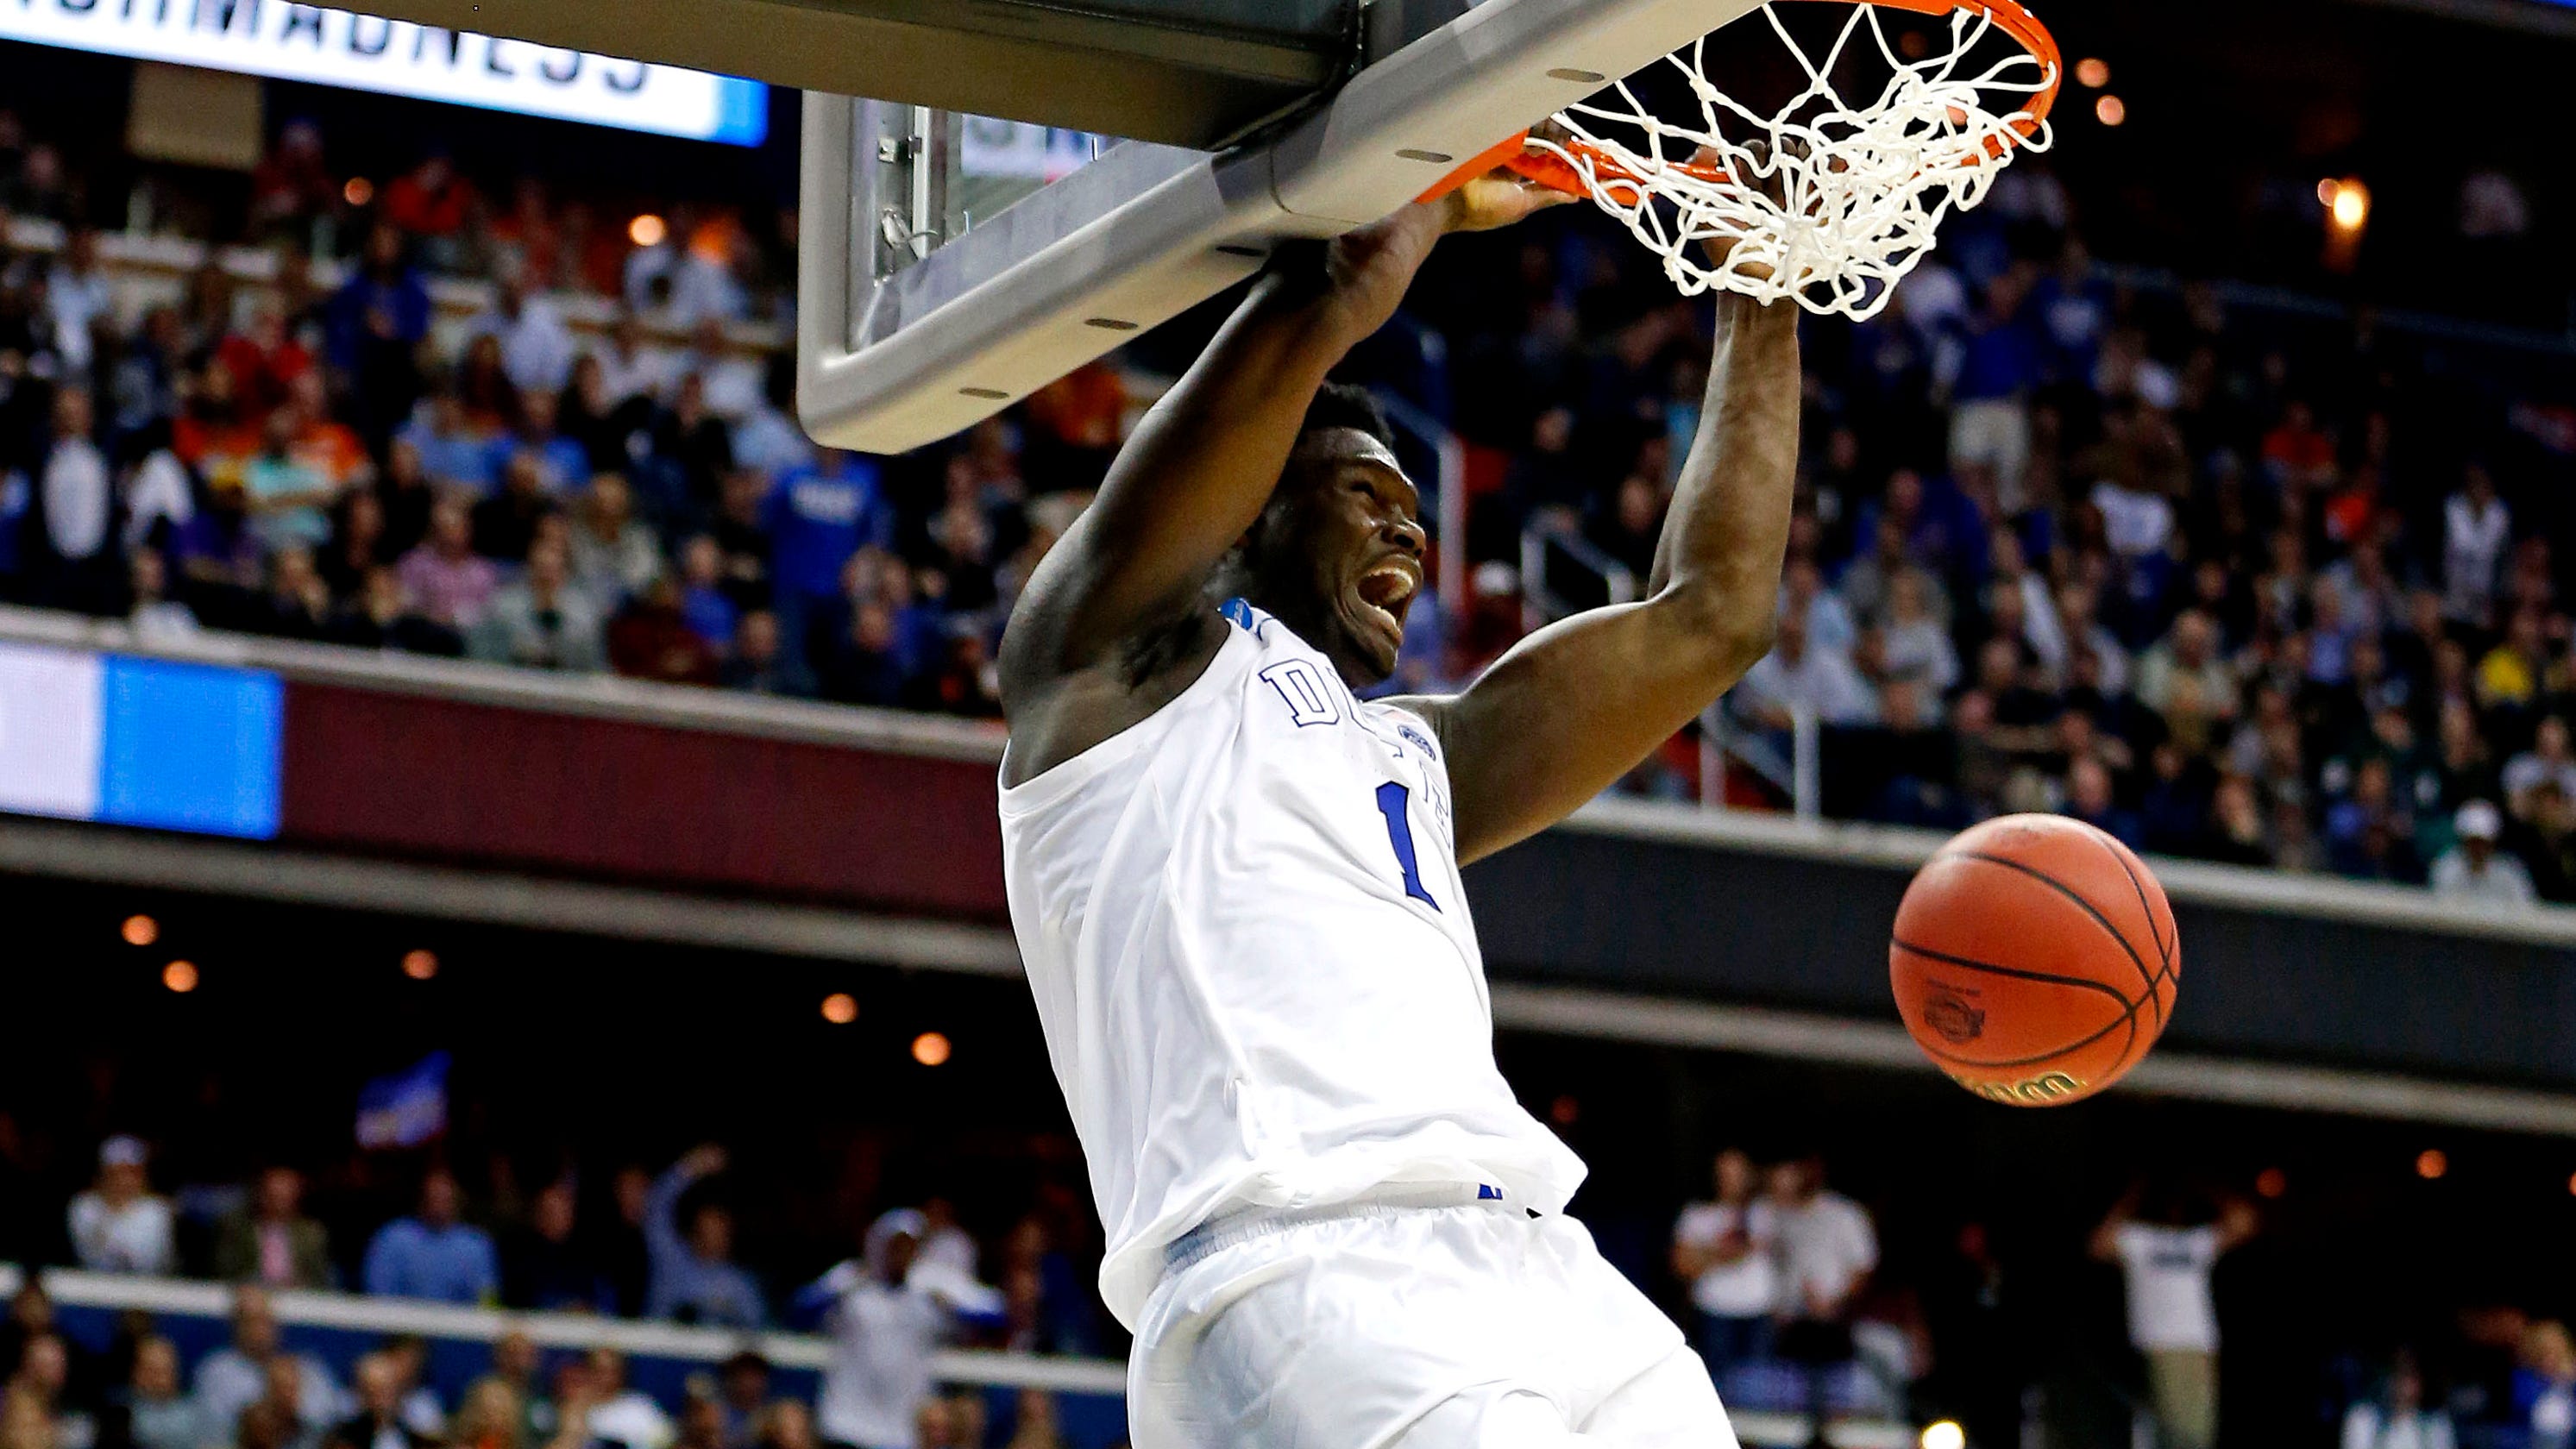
1386,589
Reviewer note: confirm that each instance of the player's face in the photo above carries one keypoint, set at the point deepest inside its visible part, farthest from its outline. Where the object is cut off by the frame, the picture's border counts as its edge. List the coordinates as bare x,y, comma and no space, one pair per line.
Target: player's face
1344,562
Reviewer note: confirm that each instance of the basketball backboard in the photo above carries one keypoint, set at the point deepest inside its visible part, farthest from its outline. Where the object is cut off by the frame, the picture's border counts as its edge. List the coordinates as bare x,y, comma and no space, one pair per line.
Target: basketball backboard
919,315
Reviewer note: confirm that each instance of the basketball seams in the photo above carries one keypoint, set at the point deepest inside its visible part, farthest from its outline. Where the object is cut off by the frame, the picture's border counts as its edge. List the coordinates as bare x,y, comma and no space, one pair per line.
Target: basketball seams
2063,889
1972,964
2165,950
2128,1011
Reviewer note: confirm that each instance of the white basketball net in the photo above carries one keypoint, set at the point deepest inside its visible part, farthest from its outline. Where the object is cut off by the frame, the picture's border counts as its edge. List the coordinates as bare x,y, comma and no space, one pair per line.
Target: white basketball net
1862,188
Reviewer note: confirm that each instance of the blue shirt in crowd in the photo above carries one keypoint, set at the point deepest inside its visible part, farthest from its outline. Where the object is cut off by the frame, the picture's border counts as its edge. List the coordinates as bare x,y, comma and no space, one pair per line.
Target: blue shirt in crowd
685,1286
1999,360
453,1264
818,518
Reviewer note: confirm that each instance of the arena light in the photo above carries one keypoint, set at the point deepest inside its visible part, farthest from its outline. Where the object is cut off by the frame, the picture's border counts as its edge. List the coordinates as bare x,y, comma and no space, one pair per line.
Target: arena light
2092,72
1944,1434
2111,110
840,1008
2431,1163
420,965
647,230
930,1049
180,976
140,930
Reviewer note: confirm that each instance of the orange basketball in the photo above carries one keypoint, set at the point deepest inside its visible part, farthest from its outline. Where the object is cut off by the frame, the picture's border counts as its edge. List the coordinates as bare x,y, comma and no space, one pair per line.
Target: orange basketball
2034,960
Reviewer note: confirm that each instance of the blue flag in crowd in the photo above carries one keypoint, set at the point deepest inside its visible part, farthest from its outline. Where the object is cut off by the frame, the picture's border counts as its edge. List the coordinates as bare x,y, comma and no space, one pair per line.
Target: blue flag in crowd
406,1108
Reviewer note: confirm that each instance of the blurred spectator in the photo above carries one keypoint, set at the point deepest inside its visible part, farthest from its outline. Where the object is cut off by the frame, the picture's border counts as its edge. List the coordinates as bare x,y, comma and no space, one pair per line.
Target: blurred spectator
516,1361
613,554
492,1415
1723,1249
433,1254
153,1411
1828,1249
1799,675
119,1225
651,638
542,621
2168,1251
38,1385
78,298
432,200
536,347
289,497
78,564
787,1424
742,1399
506,523
617,1413
376,323
378,1423
695,1279
1035,1422
886,1317
2475,869
2397,1417
292,186
382,617
547,1264
270,1241
760,663
236,1376
450,583
2544,1386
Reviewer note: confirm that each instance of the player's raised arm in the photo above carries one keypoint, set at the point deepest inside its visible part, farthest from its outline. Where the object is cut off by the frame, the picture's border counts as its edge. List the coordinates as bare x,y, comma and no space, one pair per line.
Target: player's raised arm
1576,705
1117,611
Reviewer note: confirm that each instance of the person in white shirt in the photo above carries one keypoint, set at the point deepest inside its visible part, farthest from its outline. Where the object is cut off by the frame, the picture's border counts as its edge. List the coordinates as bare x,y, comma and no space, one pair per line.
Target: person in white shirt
537,349
2475,869
118,1226
2550,758
2167,1251
888,1311
1827,1248
1799,674
78,295
2397,1419
1723,1250
2476,528
618,1414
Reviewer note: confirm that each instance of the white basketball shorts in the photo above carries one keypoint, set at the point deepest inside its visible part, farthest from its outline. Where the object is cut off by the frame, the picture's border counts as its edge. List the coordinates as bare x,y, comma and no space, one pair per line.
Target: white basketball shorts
1381,1327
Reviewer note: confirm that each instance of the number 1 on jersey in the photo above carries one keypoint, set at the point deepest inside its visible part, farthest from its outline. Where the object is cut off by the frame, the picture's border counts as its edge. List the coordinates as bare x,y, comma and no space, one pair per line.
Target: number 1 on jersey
1392,801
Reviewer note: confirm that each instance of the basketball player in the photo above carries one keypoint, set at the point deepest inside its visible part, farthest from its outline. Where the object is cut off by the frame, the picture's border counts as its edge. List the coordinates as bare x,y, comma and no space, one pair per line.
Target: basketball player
1236,888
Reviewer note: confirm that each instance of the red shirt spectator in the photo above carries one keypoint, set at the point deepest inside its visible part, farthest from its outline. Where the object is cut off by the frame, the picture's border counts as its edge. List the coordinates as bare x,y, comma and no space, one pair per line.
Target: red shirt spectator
430,200
266,362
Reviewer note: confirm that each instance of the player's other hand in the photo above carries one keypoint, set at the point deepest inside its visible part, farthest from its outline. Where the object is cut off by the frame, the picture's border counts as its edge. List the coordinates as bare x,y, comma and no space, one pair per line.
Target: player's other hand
1496,199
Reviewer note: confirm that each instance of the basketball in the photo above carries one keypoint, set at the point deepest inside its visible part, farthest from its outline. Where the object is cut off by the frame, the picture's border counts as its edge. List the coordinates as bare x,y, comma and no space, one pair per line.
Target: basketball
2034,960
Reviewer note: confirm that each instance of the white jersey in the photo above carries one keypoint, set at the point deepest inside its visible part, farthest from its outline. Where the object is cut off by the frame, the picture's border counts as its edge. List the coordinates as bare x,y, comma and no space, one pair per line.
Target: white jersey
1243,923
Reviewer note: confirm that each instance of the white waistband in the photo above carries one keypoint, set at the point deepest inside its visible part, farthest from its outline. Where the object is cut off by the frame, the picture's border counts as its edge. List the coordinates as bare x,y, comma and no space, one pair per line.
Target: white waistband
1228,1229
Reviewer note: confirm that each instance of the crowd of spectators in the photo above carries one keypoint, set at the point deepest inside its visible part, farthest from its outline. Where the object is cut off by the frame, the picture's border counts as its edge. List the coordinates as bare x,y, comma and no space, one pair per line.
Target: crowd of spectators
660,1247
1790,1305
2224,589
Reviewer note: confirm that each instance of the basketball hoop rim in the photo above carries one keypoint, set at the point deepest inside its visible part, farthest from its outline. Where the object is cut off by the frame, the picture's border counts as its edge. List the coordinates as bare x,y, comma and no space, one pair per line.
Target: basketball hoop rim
1552,170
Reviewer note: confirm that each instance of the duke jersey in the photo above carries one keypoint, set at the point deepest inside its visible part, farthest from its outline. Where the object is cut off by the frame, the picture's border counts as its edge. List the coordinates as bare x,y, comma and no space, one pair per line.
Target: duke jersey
1243,923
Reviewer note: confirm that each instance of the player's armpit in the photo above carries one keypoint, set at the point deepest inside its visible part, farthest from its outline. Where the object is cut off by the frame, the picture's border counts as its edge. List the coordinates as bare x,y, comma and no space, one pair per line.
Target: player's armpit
1573,707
